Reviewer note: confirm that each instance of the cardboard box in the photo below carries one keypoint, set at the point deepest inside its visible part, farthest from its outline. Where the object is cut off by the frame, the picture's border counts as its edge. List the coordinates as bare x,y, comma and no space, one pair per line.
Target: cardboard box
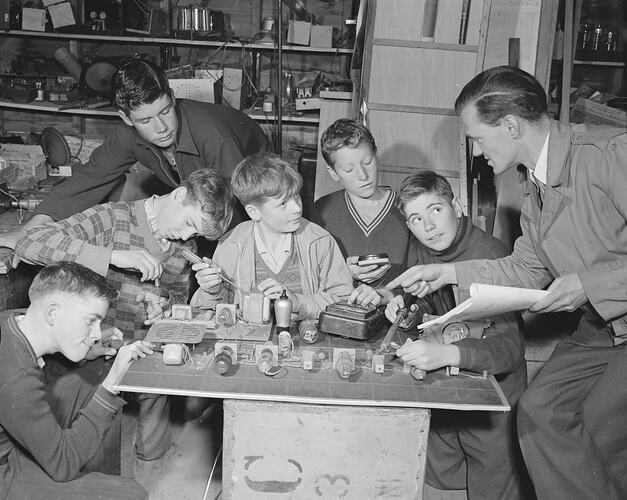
304,451
594,113
321,36
20,162
298,32
33,19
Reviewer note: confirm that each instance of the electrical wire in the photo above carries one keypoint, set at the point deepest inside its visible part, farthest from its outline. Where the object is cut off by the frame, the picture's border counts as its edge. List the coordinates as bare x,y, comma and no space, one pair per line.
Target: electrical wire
204,496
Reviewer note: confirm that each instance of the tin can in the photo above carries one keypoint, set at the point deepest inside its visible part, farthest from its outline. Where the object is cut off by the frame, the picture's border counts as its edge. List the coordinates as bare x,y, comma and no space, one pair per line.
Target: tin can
285,342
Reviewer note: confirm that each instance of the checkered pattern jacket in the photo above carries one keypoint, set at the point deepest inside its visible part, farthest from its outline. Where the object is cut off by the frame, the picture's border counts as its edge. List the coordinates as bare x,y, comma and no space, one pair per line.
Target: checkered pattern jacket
89,237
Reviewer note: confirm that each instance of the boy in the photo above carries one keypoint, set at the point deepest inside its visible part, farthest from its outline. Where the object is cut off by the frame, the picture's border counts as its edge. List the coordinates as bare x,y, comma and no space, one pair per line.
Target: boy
476,450
131,243
135,242
361,217
48,437
171,137
277,249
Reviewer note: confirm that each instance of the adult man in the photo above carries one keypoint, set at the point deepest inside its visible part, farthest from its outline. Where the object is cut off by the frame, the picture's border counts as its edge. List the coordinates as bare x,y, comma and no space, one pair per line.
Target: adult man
574,236
173,138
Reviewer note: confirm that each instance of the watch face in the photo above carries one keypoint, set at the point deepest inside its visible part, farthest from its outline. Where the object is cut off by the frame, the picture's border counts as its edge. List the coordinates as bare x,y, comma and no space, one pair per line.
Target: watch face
454,332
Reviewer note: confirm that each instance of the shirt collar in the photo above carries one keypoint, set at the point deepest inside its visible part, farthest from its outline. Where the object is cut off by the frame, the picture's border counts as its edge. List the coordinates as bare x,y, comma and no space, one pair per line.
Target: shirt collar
149,207
265,253
540,173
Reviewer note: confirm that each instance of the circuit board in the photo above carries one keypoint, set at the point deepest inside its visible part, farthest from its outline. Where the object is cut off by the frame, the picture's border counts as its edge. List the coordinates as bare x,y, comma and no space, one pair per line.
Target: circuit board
321,384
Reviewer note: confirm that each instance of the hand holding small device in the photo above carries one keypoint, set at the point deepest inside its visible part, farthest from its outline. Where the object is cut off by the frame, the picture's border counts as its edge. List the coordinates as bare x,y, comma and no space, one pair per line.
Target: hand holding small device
368,268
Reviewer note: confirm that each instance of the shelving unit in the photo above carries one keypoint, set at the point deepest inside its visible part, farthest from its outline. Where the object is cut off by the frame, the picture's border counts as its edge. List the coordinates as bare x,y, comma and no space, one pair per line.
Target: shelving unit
165,43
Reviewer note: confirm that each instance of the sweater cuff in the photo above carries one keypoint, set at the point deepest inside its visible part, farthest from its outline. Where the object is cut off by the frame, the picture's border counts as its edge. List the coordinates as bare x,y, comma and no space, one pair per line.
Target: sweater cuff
106,404
465,361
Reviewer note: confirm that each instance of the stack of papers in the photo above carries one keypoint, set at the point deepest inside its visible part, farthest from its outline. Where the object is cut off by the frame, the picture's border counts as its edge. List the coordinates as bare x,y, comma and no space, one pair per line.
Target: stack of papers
487,301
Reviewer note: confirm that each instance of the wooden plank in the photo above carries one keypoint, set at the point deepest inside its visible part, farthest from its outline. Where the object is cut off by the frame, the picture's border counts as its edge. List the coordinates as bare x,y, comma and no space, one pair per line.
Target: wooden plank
390,42
405,76
331,109
546,36
567,63
474,22
448,21
273,449
400,20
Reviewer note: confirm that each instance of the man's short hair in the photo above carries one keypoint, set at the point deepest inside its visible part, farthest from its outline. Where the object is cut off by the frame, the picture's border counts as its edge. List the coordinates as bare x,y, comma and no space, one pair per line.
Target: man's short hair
138,82
422,183
501,91
262,176
345,133
72,279
213,193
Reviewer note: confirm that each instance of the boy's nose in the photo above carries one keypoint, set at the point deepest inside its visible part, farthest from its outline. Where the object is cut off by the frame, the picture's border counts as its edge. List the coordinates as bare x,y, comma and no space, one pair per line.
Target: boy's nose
476,150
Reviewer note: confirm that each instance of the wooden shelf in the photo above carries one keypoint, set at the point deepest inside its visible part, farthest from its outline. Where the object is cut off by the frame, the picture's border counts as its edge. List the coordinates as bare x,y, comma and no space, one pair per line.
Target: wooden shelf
50,107
172,41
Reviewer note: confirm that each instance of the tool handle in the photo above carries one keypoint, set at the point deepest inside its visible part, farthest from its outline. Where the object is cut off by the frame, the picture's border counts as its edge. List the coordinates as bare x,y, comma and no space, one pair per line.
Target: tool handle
191,256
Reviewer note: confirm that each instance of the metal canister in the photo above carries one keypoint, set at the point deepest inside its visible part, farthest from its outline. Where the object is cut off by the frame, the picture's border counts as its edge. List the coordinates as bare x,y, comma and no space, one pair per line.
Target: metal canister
283,310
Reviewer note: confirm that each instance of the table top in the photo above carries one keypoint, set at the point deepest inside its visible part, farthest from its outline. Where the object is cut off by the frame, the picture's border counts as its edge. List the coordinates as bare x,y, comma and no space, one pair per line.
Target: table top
395,387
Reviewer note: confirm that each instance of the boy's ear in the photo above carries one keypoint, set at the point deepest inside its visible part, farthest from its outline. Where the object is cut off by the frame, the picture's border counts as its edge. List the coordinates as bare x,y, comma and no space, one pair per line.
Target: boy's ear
125,118
179,193
457,207
333,174
51,312
253,212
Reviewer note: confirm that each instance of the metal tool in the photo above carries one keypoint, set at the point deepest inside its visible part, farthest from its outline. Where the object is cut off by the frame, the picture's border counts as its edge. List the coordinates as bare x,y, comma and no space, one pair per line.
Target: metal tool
402,313
194,259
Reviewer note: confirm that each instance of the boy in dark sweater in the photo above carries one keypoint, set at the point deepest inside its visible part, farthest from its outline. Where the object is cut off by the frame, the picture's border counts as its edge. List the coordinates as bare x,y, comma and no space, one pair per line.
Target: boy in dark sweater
361,216
50,439
467,450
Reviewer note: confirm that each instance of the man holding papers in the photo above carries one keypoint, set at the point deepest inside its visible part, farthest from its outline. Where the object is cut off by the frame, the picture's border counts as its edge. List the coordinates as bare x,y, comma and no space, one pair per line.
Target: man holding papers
574,237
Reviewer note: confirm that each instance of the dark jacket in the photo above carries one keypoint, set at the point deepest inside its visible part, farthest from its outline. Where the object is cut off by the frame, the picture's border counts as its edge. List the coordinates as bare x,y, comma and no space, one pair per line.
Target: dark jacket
209,136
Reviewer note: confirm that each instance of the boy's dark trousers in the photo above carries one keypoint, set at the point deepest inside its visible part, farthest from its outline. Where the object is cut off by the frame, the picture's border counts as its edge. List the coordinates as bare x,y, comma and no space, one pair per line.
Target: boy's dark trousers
68,391
571,420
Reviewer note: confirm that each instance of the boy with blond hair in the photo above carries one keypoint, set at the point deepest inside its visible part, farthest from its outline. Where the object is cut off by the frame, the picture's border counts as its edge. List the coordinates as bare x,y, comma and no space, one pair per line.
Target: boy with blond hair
277,249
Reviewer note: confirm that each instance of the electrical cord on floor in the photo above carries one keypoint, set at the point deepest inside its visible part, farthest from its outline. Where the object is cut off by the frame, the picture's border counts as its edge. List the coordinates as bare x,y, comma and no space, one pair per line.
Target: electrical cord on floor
204,497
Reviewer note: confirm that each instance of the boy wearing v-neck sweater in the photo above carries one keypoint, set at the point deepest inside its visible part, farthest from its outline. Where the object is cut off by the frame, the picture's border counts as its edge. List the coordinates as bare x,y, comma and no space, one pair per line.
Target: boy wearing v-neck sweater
361,216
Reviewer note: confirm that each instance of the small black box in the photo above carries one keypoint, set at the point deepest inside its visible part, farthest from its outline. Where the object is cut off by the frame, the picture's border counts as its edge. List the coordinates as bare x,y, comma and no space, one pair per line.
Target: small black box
351,320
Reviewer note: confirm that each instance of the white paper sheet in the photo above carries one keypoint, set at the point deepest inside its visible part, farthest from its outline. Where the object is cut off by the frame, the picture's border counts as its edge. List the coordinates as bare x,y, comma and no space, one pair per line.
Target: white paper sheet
487,301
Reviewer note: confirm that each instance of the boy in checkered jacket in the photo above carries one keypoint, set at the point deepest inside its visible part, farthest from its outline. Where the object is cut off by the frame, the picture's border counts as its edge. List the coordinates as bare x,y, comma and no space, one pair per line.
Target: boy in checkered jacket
134,244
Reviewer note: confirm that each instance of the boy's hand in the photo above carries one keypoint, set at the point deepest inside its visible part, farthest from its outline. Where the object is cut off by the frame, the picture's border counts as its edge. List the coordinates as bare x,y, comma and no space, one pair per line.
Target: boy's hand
423,280
208,277
428,355
126,355
149,267
365,295
272,289
391,311
366,274
154,306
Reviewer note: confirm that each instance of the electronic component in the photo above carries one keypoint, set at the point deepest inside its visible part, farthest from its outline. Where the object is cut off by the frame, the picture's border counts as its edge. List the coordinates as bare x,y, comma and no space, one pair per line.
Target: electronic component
308,331
225,357
256,308
180,312
344,362
266,356
307,358
351,320
226,314
378,365
173,354
378,259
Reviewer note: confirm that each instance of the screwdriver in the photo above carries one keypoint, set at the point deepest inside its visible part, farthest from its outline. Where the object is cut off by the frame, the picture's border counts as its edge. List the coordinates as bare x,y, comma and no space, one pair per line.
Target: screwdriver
194,259
401,314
